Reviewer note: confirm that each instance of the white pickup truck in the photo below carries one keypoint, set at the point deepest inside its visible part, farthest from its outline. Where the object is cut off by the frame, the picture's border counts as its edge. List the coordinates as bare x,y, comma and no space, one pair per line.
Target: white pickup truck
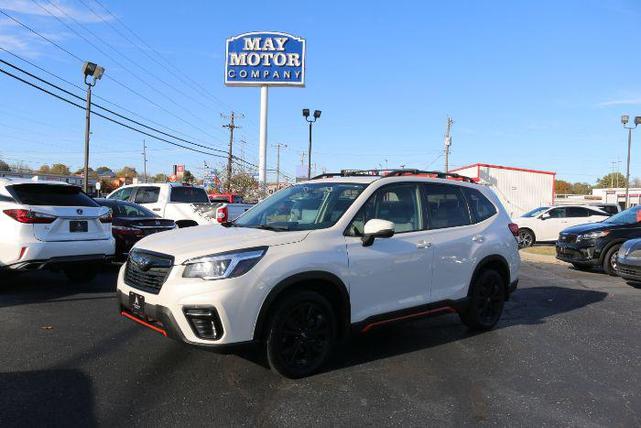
185,204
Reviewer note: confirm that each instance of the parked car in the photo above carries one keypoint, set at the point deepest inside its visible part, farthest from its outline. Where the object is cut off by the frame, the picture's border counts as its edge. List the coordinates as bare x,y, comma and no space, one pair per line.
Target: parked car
52,225
628,264
597,245
544,224
230,198
611,209
185,204
132,222
342,252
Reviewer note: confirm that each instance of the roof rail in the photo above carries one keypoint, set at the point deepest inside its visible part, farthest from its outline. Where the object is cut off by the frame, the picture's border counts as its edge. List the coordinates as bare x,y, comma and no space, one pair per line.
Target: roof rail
393,173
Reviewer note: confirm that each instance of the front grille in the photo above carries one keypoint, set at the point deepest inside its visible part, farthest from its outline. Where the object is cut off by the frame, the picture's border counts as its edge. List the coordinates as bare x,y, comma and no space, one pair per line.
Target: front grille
567,238
629,270
147,271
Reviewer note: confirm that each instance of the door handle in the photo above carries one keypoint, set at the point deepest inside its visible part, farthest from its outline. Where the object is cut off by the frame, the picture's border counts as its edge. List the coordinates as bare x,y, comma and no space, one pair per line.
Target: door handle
478,238
423,244
156,209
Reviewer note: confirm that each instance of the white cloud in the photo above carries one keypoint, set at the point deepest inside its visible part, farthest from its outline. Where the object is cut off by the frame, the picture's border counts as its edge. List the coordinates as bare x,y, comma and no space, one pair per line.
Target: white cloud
60,9
621,102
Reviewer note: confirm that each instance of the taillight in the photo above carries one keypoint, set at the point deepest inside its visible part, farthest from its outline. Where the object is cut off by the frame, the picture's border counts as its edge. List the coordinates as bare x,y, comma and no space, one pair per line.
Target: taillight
514,228
221,214
30,217
106,218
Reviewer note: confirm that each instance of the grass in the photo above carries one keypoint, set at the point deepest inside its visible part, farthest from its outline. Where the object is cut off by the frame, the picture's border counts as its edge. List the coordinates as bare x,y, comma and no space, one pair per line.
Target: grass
546,250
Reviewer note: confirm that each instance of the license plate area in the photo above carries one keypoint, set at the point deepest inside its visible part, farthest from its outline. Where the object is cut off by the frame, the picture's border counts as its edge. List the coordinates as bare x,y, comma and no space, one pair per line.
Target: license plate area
137,304
78,226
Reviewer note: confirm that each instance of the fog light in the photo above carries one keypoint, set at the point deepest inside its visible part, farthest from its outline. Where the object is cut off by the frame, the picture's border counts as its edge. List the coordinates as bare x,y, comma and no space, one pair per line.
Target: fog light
204,322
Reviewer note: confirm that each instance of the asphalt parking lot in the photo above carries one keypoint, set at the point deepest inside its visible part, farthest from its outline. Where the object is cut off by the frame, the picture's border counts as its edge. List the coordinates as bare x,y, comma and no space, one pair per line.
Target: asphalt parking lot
567,352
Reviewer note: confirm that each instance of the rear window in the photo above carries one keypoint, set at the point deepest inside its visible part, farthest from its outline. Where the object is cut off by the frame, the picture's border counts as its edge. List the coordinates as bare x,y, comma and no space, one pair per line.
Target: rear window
188,194
59,195
126,209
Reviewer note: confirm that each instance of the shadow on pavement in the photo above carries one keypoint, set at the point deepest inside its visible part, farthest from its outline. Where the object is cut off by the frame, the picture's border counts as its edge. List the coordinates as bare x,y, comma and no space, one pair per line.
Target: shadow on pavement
529,306
46,398
42,286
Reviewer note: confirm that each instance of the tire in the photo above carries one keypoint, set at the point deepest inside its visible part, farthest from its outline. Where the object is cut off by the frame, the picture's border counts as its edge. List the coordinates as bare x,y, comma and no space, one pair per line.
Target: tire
81,273
487,298
525,238
581,266
609,260
300,334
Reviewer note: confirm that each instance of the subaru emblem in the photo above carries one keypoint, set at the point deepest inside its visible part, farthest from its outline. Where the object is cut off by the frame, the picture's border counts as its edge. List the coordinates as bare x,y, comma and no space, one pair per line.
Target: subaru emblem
79,211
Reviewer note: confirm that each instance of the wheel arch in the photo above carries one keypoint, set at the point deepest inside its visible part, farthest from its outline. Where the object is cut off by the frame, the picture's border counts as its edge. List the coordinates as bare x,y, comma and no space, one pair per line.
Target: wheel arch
607,248
497,262
325,283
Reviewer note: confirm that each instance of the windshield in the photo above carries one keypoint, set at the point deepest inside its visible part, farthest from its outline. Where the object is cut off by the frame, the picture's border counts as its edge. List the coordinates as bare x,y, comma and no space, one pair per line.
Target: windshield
302,207
629,216
189,194
535,212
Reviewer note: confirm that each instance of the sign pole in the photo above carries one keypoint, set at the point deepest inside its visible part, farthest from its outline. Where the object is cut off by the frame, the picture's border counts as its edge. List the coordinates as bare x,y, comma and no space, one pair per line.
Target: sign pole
262,156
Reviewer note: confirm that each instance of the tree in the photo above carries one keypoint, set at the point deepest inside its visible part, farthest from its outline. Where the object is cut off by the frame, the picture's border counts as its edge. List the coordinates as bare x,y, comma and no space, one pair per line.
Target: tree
60,169
613,179
105,171
246,186
44,169
127,172
4,166
581,189
159,178
562,187
188,177
636,182
92,173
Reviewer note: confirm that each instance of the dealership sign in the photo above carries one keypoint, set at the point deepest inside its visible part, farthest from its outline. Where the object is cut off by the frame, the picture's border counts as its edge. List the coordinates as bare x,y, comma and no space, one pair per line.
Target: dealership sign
265,58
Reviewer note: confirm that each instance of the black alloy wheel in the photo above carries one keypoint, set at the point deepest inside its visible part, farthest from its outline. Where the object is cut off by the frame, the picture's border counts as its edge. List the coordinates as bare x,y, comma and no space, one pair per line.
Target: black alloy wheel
300,335
487,299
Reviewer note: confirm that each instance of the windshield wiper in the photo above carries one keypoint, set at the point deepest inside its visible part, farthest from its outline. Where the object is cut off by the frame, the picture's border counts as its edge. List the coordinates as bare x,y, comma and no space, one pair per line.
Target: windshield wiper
272,228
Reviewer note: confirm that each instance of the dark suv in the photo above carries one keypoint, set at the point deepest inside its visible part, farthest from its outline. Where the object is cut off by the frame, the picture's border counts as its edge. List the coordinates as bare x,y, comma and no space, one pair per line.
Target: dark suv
597,244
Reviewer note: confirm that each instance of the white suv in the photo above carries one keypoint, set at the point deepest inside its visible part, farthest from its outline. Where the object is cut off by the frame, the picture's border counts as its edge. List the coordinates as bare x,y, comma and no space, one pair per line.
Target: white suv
342,252
53,225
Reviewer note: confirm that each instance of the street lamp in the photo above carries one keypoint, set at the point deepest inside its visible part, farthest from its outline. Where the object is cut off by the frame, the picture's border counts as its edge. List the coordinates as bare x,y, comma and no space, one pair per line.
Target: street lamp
317,114
89,69
637,121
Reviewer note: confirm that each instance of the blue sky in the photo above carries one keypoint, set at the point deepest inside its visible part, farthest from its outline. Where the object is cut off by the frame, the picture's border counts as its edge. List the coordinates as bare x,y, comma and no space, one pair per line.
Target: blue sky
538,84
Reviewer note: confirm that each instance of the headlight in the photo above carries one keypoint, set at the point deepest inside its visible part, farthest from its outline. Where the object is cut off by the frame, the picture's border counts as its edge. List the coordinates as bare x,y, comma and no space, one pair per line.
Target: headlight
592,235
224,265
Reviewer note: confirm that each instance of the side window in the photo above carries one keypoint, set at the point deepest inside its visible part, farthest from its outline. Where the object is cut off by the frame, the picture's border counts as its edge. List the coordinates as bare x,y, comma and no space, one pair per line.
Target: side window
557,213
446,206
399,204
577,212
480,207
123,194
147,195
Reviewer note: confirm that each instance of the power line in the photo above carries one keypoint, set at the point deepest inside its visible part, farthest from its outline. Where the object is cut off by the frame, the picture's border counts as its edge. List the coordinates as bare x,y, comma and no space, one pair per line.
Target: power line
81,60
106,117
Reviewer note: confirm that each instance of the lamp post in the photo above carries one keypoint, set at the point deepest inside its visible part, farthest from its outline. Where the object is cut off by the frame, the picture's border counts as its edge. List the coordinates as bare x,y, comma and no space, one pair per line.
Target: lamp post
96,72
317,114
637,121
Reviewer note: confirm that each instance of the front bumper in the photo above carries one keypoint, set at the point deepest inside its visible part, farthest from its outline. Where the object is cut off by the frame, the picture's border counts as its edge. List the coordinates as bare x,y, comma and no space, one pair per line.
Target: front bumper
629,272
574,253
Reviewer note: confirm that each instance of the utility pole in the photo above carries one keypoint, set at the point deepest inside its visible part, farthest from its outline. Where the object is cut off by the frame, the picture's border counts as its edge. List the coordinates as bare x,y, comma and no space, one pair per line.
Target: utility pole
89,69
144,157
231,125
278,147
448,143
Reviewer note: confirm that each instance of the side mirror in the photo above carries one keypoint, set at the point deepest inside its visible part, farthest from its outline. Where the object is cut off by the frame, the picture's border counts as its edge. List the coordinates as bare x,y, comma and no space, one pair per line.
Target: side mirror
376,228
545,216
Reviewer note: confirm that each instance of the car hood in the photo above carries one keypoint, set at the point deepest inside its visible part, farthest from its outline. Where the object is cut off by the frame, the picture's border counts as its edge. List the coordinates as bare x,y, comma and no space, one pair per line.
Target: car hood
586,228
197,241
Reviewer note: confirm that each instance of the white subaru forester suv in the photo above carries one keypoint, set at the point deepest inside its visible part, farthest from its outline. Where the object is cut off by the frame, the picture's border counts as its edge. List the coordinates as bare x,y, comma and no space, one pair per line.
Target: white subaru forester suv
341,253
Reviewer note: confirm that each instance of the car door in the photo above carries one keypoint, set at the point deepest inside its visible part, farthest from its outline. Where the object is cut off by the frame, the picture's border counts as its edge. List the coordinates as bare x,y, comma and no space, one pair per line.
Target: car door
579,215
454,238
552,223
393,273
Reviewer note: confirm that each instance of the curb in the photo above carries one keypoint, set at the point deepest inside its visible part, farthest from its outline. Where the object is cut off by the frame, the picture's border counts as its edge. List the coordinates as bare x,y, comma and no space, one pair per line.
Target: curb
540,258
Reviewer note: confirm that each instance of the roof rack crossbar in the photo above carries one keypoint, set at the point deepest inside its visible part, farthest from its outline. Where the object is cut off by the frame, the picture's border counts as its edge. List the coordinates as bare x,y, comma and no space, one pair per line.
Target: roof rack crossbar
392,173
